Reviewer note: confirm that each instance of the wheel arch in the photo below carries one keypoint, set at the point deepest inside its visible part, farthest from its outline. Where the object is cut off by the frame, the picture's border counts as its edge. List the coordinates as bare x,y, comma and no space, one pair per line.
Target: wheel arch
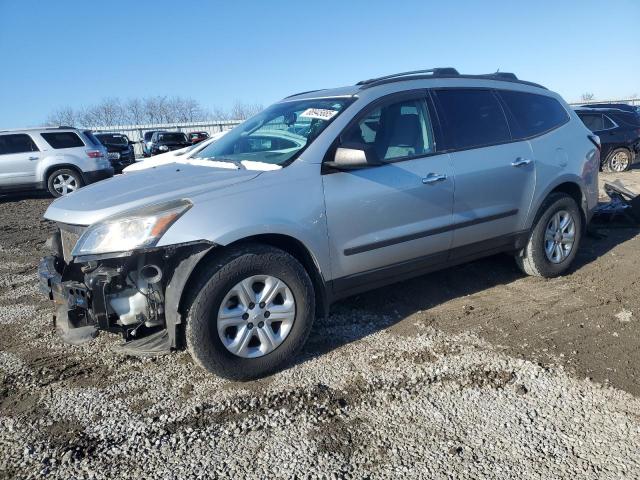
571,187
59,166
188,268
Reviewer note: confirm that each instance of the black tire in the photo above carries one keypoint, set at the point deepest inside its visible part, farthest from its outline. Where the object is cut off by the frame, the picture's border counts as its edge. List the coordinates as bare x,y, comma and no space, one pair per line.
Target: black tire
614,166
533,260
211,285
63,171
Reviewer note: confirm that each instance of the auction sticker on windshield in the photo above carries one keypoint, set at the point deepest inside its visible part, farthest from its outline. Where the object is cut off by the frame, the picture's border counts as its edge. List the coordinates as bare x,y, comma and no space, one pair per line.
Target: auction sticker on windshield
319,113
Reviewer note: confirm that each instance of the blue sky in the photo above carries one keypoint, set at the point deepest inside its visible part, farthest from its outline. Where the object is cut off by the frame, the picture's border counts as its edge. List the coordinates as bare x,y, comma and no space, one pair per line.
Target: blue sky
75,53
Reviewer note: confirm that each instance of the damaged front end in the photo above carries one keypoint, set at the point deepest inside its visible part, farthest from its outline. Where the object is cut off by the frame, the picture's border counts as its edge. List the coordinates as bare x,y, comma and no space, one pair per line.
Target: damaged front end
135,294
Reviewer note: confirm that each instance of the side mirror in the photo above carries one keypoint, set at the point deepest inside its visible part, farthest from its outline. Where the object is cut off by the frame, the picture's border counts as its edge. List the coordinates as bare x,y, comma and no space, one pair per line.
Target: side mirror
353,157
131,142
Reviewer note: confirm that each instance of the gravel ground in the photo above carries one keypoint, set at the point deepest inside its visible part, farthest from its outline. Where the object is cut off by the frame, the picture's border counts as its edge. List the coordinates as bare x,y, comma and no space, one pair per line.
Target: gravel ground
474,372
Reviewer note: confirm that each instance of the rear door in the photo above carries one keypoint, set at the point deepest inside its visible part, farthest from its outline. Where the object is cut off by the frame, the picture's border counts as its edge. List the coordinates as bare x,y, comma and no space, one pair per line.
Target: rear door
19,157
494,175
386,220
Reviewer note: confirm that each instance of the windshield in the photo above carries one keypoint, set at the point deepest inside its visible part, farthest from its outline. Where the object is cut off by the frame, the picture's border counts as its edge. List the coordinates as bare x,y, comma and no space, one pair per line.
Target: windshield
172,137
113,139
277,134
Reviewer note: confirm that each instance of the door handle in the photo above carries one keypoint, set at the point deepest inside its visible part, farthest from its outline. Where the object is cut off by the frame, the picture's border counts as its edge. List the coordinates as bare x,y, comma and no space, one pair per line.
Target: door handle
434,178
520,162
33,158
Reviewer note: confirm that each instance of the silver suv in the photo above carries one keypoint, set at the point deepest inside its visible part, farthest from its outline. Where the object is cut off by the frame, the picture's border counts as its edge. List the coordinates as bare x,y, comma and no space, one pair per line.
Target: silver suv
58,159
322,195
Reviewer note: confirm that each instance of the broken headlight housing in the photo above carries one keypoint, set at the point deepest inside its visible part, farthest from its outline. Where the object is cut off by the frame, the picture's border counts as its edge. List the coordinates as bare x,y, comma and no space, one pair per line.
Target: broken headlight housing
131,230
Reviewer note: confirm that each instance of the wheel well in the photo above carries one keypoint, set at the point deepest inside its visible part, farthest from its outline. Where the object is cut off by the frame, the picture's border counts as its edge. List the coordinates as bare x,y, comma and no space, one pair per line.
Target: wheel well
575,192
297,249
53,168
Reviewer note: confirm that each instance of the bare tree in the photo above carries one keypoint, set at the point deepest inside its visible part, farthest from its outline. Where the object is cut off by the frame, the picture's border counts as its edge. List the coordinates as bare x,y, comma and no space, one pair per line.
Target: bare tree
587,97
136,111
242,111
218,113
62,116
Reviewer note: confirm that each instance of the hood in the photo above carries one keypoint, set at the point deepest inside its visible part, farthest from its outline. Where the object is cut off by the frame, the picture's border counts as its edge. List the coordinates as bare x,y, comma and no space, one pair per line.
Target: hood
123,192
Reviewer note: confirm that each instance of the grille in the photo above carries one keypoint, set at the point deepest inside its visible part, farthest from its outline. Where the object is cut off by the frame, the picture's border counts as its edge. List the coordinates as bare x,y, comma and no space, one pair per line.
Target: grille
113,156
69,234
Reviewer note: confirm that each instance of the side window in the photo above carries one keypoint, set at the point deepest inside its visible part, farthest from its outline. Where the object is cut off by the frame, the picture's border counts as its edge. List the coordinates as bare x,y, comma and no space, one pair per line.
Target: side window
608,123
395,131
533,114
62,139
593,121
91,137
16,143
472,118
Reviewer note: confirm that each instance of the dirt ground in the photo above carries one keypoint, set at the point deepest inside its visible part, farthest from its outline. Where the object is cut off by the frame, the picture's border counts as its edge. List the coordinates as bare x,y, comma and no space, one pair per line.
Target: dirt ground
586,323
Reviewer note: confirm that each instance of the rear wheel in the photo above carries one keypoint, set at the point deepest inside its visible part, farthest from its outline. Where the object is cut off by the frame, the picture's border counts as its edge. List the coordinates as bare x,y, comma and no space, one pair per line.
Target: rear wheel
250,312
555,238
63,181
618,160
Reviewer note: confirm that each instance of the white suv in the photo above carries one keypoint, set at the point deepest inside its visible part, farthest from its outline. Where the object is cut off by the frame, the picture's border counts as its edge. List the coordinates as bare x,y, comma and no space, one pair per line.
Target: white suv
58,159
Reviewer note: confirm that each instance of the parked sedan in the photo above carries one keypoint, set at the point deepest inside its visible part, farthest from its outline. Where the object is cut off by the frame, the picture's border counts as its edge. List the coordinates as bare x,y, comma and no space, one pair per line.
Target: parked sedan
119,150
619,132
197,137
166,141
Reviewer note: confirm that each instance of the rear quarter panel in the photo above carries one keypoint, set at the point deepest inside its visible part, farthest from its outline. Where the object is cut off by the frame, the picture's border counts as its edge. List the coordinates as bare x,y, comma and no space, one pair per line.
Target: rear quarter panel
565,155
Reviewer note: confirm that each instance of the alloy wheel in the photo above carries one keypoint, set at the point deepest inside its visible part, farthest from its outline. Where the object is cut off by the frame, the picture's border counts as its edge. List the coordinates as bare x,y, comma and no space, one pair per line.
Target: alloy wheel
64,183
256,316
559,236
620,161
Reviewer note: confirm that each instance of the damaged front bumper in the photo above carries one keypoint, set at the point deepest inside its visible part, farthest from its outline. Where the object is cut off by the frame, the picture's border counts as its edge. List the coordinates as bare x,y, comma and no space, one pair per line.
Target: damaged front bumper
125,295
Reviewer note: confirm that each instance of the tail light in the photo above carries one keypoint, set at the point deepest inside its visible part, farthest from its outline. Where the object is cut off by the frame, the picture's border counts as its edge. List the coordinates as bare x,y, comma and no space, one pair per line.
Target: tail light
95,154
595,140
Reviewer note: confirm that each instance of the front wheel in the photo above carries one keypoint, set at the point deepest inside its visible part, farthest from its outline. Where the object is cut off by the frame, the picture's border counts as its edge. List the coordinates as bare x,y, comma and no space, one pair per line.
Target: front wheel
251,311
555,238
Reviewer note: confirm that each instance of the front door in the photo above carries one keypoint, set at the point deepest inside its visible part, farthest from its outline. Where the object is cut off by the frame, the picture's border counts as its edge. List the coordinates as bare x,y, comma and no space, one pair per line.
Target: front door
386,219
19,157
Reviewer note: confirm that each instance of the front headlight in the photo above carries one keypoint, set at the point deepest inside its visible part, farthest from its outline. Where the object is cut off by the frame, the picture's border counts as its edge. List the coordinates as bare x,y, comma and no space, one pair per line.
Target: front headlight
163,148
139,228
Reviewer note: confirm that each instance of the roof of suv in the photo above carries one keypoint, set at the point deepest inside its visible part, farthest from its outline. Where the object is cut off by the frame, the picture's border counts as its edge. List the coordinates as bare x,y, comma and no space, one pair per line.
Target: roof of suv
39,129
430,74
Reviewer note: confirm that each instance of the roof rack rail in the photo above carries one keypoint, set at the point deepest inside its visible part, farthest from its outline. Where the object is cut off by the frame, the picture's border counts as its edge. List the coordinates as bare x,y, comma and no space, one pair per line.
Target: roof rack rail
435,72
302,93
446,72
507,75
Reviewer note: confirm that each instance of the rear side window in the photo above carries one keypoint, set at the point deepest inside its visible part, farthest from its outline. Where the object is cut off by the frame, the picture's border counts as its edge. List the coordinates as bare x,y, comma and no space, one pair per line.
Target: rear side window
472,118
533,114
17,143
92,138
593,121
608,123
62,139
627,119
